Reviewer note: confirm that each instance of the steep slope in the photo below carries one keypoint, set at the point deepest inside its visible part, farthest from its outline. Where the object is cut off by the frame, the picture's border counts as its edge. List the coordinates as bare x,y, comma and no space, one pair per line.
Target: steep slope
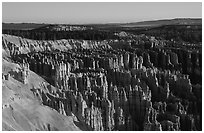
22,110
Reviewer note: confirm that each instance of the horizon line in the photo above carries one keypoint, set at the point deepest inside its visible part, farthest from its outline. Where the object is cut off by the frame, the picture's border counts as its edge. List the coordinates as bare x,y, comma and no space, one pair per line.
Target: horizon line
105,22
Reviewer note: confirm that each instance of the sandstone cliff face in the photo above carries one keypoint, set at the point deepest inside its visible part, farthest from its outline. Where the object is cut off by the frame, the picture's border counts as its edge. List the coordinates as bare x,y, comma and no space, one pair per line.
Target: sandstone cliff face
114,89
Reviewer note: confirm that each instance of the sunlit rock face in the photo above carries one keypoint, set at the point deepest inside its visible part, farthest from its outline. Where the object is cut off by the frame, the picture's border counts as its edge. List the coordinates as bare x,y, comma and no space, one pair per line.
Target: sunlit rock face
108,88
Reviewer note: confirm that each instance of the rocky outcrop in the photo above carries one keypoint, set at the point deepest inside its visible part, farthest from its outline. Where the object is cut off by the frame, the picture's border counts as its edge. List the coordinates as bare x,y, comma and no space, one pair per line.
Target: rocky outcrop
112,89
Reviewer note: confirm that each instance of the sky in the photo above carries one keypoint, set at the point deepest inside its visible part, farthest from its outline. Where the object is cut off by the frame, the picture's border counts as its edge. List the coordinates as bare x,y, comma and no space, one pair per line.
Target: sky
99,12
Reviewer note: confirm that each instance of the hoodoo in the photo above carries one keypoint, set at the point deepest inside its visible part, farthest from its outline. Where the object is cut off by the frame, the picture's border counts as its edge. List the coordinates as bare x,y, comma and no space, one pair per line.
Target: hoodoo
125,82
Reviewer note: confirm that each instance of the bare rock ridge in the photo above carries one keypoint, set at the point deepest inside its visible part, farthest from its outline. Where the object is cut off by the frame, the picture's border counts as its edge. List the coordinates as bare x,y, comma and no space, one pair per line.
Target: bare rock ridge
145,84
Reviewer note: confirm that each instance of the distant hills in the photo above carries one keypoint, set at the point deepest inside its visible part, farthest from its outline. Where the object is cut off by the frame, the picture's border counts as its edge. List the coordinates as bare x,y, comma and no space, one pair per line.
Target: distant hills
21,26
183,21
153,23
